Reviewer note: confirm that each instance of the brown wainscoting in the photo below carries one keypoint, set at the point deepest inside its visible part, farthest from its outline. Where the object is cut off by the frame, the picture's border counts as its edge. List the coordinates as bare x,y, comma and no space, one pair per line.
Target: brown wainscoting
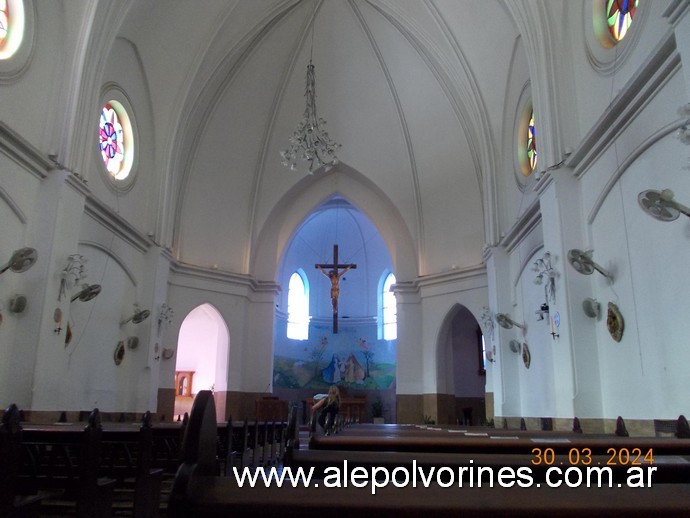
489,405
166,403
410,408
242,405
636,427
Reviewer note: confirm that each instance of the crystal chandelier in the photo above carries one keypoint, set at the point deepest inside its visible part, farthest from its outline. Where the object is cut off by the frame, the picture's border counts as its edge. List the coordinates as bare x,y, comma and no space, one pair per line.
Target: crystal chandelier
310,142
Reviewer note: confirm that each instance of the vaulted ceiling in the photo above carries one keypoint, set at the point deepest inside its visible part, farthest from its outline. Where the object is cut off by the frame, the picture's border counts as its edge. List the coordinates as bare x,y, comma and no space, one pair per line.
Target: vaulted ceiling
414,90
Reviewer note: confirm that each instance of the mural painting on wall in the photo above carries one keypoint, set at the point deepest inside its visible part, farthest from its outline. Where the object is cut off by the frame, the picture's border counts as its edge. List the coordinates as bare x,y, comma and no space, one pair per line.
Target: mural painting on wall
346,359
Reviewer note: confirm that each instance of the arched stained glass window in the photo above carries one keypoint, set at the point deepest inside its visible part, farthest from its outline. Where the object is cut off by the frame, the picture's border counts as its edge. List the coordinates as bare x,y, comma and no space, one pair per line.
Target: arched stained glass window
389,310
298,308
116,140
619,16
531,143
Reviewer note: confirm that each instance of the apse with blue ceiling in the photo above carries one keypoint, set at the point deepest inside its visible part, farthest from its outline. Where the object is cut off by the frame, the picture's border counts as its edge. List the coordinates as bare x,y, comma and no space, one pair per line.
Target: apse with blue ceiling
308,355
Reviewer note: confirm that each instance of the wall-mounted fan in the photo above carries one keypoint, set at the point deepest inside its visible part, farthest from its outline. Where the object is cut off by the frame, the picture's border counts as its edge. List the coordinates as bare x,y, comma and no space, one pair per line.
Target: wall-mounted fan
87,292
138,317
660,205
21,260
591,308
506,322
515,346
583,263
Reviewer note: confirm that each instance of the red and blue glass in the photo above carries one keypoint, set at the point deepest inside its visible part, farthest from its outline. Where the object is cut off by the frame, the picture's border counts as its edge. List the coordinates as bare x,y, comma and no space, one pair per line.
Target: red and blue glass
531,143
111,140
619,15
4,21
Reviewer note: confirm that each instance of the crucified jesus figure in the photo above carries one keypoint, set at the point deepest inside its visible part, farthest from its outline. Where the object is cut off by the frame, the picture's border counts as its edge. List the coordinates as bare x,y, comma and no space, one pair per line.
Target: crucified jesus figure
334,277
334,273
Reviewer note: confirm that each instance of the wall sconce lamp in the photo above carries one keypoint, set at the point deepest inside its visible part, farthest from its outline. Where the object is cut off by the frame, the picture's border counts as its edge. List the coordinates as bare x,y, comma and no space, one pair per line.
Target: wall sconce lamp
546,275
21,260
583,263
487,321
138,317
661,205
87,292
506,322
542,312
74,272
164,316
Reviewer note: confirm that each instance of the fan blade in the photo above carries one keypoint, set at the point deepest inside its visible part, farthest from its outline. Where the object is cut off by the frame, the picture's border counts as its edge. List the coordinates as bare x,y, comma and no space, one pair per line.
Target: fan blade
21,260
658,206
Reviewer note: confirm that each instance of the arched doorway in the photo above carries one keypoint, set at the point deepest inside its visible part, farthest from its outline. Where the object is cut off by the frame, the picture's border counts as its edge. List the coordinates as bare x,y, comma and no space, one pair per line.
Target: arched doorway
202,358
461,369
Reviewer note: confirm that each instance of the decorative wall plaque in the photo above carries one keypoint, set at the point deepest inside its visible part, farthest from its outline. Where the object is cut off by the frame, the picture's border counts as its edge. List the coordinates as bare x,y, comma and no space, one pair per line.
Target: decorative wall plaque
119,352
526,356
615,322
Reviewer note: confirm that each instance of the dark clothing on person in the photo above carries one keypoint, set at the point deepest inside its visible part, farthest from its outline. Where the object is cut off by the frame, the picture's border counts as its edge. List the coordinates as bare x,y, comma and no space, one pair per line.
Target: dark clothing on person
330,409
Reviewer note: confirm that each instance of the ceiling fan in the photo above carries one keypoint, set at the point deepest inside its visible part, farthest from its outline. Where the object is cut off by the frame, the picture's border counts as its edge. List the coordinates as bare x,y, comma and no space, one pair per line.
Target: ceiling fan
583,263
21,260
506,322
661,205
87,292
138,317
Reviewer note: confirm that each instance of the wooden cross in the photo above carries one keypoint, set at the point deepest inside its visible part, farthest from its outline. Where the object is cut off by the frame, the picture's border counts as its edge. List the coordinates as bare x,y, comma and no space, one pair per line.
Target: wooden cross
334,276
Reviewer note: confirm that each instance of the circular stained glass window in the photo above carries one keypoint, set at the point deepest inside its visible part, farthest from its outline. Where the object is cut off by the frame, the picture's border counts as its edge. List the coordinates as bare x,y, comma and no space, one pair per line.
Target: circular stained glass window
12,23
531,143
526,141
116,140
619,16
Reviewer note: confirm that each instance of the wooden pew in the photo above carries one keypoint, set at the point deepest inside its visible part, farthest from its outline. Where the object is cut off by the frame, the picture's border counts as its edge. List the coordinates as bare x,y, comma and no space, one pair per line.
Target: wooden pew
167,443
67,461
128,458
12,503
198,454
199,492
538,451
495,441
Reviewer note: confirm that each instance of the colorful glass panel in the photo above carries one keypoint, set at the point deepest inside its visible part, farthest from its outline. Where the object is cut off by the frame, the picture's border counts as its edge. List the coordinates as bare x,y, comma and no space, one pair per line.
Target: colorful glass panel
619,15
531,143
4,21
112,143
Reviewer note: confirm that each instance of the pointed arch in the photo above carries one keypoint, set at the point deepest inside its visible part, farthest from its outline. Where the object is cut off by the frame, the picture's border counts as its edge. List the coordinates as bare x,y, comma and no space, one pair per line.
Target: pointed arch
387,307
298,306
202,349
459,366
310,192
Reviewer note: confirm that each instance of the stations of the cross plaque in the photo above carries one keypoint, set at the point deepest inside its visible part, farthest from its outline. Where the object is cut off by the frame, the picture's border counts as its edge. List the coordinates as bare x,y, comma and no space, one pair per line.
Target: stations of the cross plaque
334,273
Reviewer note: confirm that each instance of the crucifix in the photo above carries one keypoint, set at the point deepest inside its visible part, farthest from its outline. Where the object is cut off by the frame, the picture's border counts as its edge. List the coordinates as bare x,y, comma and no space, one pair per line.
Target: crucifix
334,276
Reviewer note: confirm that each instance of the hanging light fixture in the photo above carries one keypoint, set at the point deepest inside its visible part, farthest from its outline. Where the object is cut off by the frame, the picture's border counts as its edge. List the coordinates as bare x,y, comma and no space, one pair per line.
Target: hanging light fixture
310,141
